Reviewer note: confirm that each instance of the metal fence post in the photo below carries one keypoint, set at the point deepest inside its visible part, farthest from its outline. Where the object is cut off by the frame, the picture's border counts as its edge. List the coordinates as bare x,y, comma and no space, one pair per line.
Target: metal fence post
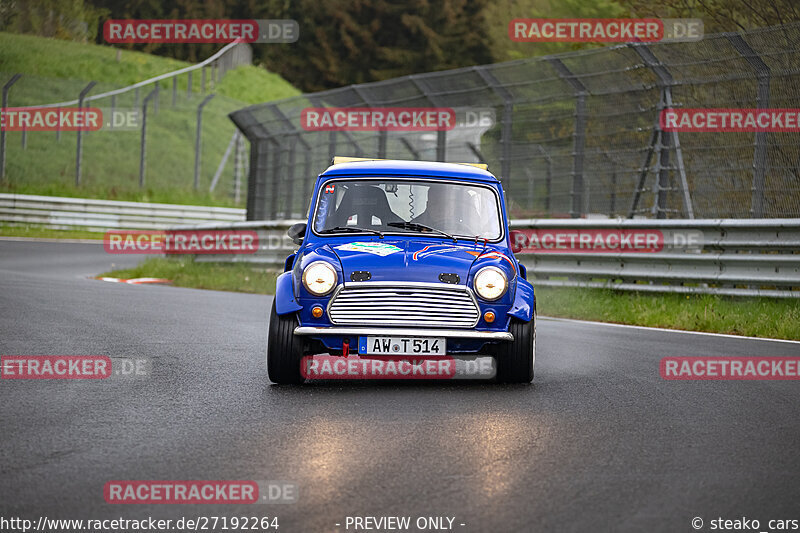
441,136
548,177
308,178
79,132
763,75
6,88
143,142
579,136
276,162
508,117
413,151
198,138
665,82
331,144
297,136
189,86
663,178
238,168
174,90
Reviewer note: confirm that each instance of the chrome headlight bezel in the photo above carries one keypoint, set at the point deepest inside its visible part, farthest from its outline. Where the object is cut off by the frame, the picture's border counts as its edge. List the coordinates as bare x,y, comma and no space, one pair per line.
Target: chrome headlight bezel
484,271
327,267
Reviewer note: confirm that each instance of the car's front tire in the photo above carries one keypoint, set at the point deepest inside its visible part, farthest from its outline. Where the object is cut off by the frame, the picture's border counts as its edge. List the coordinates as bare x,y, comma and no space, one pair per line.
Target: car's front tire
284,349
515,359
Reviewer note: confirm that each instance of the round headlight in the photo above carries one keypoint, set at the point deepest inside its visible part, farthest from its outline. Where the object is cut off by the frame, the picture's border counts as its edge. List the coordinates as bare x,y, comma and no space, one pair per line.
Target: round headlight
319,278
490,283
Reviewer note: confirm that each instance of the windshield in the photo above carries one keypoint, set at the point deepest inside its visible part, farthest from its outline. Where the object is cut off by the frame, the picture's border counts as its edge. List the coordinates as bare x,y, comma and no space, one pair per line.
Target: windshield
460,209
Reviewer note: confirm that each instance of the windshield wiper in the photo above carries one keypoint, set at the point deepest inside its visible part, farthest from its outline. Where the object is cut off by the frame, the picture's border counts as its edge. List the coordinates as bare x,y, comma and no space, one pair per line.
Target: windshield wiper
352,228
414,226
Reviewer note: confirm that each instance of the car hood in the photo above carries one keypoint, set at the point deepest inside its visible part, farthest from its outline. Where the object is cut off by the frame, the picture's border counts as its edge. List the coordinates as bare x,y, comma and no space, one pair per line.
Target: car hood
420,260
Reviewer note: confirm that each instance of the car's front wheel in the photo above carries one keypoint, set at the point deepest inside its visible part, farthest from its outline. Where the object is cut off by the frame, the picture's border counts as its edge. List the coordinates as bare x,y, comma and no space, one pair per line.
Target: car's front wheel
515,359
284,349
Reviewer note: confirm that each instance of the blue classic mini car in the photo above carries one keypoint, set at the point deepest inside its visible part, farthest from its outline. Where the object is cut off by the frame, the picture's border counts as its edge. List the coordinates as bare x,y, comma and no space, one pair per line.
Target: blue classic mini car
403,258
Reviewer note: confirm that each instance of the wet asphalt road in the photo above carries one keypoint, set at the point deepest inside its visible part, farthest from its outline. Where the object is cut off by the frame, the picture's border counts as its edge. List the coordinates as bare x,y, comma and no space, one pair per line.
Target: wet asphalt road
599,442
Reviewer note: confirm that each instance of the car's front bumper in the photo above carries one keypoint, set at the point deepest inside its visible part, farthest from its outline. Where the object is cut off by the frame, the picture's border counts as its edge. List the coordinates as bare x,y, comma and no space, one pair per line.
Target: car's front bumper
404,332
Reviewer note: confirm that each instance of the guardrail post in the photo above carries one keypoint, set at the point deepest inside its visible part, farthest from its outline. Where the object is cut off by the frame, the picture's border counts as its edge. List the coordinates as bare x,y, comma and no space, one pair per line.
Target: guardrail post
143,142
763,75
79,132
579,136
198,138
6,88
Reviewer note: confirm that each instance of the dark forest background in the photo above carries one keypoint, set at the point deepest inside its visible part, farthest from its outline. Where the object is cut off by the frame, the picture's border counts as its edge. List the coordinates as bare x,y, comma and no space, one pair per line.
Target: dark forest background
354,41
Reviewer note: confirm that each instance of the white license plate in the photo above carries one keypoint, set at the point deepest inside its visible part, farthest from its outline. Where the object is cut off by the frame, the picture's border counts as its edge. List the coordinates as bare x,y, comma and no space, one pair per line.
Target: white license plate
402,346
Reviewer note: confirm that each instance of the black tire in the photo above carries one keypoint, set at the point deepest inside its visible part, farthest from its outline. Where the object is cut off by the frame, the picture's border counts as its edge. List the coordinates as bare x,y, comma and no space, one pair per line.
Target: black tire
515,359
284,349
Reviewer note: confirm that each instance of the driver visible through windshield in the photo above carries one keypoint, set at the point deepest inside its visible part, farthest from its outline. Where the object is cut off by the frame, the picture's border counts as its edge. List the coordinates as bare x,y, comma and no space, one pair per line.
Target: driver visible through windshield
450,209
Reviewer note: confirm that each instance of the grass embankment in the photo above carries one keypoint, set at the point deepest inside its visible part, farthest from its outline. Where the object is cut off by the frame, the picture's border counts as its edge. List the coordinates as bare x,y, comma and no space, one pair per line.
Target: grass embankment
56,71
40,232
758,317
237,277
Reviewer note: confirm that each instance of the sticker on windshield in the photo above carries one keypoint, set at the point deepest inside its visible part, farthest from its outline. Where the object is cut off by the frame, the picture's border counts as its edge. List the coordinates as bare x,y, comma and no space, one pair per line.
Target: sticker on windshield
375,248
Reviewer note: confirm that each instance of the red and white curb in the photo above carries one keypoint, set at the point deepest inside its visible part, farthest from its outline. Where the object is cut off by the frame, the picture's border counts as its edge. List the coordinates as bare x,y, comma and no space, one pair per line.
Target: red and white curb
136,281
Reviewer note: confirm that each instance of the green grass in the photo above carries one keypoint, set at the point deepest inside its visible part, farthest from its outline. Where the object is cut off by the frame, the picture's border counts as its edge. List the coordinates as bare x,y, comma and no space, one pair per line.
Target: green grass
55,70
39,232
758,317
183,272
74,64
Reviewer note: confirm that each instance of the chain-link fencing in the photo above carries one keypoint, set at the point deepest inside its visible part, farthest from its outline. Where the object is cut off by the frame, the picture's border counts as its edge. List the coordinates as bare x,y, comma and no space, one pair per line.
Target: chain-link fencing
575,134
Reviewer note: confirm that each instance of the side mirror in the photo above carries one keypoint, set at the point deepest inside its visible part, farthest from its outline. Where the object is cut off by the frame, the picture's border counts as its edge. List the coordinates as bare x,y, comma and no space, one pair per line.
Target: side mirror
297,232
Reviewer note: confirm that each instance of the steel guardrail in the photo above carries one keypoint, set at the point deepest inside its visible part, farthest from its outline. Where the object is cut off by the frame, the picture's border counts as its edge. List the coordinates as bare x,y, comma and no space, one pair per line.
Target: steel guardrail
737,257
101,215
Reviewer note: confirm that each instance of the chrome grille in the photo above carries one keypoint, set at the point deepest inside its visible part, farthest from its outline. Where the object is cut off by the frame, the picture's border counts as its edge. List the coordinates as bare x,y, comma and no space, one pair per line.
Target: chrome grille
404,304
